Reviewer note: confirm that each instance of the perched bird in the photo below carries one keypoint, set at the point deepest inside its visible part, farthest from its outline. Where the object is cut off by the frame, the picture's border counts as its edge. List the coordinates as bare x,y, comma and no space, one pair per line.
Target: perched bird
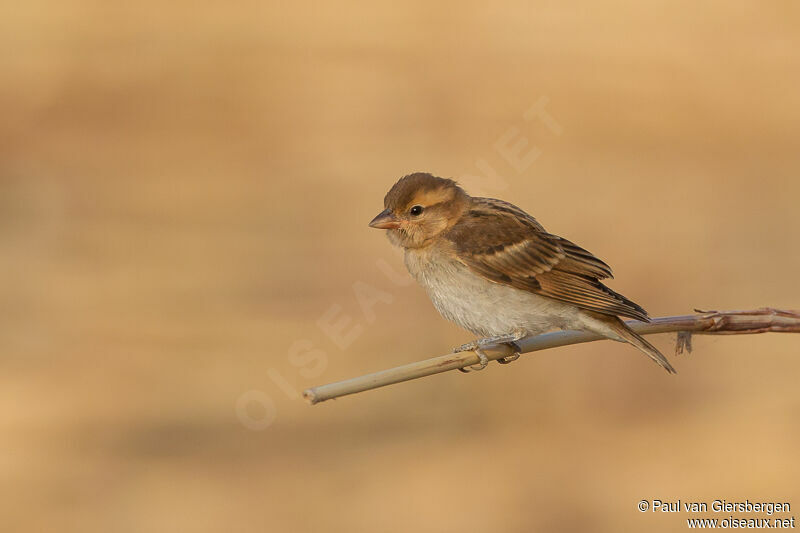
491,268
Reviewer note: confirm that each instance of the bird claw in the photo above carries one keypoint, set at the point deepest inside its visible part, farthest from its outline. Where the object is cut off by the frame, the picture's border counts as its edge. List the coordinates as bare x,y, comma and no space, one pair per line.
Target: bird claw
482,356
509,358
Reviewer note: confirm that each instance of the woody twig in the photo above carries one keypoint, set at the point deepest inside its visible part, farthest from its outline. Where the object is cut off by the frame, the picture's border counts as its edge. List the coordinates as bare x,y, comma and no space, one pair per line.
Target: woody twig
705,322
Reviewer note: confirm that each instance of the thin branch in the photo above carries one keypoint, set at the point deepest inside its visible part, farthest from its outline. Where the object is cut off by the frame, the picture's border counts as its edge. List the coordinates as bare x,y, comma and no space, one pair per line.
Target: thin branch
706,322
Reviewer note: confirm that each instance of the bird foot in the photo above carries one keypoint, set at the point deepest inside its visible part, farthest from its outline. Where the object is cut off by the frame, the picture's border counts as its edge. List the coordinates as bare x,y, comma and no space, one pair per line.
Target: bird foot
476,345
510,358
479,366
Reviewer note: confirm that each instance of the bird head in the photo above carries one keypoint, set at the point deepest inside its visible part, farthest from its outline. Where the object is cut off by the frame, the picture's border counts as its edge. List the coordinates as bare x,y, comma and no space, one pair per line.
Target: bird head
419,207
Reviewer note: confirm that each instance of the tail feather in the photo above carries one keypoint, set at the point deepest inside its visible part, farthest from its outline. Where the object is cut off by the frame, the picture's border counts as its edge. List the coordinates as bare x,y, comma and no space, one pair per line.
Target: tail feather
631,337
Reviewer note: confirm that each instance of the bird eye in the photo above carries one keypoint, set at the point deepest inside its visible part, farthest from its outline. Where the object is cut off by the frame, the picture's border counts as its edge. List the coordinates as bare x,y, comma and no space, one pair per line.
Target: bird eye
416,210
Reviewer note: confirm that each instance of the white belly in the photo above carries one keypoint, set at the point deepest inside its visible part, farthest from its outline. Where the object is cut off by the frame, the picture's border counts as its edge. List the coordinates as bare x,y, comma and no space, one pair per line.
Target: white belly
483,307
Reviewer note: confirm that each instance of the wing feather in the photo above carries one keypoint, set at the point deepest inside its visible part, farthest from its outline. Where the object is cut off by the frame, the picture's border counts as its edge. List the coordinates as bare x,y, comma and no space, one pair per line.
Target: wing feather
503,244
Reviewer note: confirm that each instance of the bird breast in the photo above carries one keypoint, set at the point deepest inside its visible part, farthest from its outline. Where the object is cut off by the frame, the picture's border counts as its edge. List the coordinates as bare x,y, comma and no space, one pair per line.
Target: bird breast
482,306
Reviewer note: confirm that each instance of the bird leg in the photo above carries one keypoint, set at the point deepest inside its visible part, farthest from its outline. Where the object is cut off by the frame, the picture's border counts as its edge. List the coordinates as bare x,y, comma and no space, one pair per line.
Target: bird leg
477,345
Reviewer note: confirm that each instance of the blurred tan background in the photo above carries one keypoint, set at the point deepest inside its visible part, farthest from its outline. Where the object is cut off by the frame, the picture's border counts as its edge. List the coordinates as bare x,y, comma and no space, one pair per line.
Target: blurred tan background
184,193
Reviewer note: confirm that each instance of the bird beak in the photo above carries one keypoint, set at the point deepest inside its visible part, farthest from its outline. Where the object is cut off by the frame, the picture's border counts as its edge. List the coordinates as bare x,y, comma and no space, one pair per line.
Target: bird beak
385,220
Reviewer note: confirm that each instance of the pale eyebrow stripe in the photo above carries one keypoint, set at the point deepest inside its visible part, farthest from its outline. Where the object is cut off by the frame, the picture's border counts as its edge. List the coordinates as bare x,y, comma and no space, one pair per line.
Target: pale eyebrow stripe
431,198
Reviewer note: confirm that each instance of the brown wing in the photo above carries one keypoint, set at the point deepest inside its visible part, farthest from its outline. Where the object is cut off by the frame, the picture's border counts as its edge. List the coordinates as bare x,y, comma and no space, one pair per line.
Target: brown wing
502,243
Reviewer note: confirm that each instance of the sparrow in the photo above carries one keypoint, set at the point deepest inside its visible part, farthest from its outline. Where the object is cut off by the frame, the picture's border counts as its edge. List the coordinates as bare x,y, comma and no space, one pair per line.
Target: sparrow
491,268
